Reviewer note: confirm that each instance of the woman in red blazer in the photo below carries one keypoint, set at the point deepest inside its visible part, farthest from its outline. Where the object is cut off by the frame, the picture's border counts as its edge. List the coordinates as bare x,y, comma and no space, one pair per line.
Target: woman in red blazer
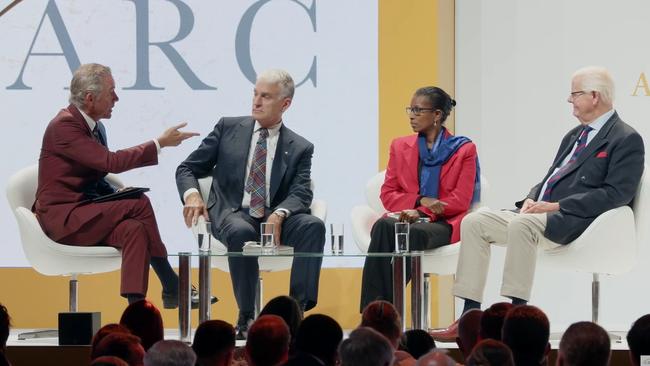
432,176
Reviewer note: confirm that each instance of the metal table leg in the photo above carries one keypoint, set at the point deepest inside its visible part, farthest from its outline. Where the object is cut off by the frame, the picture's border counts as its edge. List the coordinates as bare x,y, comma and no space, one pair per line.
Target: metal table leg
399,280
204,286
184,297
417,288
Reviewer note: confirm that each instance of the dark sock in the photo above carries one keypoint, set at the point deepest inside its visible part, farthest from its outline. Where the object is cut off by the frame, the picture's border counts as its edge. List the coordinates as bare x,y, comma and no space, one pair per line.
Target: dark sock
134,298
165,272
517,301
471,304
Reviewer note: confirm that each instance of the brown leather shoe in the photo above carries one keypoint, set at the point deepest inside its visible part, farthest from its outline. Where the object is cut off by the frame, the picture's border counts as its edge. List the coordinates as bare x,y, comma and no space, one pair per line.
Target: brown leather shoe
448,334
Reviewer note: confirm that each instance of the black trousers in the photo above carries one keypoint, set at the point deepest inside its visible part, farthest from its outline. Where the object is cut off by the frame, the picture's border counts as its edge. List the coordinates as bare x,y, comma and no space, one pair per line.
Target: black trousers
377,281
306,233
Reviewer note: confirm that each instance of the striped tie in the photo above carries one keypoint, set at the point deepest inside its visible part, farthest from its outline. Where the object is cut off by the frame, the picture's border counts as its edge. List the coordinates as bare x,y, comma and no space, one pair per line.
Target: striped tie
582,143
256,183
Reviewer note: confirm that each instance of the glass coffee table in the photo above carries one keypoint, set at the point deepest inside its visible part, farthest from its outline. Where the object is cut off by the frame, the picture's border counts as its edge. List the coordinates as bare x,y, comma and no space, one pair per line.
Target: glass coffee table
419,315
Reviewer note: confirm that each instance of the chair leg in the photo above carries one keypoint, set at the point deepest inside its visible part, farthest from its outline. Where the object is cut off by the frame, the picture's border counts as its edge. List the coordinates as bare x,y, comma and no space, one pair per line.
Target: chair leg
426,303
595,304
73,299
259,295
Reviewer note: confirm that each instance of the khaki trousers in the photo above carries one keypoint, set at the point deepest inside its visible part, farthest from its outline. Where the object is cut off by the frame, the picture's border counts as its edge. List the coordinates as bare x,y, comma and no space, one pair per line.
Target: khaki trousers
521,234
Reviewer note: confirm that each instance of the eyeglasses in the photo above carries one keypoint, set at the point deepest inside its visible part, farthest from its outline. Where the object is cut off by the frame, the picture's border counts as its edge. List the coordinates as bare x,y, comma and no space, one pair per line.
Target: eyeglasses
417,110
575,94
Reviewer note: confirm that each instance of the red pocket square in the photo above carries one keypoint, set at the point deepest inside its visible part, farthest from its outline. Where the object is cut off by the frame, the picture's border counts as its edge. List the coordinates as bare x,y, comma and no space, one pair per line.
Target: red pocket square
602,154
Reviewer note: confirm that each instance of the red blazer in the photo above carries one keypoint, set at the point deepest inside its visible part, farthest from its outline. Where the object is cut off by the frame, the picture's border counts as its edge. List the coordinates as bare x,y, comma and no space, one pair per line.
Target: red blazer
70,159
401,186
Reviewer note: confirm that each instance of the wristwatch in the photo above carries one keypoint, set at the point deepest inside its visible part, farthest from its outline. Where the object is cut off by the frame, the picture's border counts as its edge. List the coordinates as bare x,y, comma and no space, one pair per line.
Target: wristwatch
280,213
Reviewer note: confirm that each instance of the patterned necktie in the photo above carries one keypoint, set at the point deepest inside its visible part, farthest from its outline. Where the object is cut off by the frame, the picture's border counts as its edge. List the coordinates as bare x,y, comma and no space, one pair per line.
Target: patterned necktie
256,184
582,143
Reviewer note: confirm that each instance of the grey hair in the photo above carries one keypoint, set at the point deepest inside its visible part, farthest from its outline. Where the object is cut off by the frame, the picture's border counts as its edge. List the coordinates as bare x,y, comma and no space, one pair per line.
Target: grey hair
366,347
597,78
281,77
87,78
170,353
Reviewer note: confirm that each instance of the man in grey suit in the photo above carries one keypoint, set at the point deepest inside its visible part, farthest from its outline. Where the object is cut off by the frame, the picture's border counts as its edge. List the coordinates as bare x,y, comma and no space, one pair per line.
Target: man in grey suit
598,167
261,173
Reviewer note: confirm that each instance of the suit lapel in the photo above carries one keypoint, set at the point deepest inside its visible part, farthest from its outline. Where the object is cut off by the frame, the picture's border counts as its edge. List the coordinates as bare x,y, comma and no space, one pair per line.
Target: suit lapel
283,153
242,142
598,141
412,157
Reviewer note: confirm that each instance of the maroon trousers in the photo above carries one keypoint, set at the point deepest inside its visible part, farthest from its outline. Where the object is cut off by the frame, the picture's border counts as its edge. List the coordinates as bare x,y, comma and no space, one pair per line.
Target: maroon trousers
129,225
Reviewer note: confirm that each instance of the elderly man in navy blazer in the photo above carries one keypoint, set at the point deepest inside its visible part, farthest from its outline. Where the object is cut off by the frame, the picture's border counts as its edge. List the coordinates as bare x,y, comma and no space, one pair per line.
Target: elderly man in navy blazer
261,172
598,167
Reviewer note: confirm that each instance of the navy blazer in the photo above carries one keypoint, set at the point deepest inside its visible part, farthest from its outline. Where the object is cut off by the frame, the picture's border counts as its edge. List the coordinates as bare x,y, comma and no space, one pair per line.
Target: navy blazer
606,175
224,153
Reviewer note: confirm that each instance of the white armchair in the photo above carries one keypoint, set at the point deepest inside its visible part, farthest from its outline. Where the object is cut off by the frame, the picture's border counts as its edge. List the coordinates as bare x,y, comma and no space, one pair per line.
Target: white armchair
608,246
47,256
267,263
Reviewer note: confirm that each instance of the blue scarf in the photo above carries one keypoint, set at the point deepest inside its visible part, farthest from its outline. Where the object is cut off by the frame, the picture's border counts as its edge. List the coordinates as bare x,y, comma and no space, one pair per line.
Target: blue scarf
432,160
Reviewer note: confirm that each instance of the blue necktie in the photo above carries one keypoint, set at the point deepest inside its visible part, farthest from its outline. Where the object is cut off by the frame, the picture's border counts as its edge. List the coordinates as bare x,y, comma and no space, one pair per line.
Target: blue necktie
582,143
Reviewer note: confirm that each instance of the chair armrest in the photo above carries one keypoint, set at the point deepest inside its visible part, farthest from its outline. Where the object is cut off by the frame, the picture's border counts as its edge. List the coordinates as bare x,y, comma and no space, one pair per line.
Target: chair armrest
363,217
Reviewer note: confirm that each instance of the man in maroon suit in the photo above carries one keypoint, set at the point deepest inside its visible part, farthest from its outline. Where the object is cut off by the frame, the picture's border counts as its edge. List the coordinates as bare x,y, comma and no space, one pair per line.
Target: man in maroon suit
73,163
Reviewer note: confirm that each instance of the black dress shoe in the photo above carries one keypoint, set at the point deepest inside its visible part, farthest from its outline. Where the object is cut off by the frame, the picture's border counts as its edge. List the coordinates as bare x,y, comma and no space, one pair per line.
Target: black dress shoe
243,324
170,300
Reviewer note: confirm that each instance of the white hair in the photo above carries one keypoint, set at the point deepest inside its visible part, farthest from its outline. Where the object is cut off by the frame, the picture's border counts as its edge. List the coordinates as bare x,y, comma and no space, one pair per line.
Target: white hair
281,77
87,79
596,78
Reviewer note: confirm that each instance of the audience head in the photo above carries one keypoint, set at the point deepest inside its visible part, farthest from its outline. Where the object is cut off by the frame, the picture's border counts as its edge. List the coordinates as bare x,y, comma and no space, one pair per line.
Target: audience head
438,99
490,352
123,345
584,344
108,361
319,335
435,358
492,320
214,343
526,331
382,316
143,319
170,353
5,323
638,339
366,347
106,330
268,340
287,308
469,326
417,342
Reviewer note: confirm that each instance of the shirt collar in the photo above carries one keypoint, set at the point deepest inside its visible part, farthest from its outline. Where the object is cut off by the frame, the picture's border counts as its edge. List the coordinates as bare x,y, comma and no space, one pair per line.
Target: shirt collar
273,130
599,122
91,123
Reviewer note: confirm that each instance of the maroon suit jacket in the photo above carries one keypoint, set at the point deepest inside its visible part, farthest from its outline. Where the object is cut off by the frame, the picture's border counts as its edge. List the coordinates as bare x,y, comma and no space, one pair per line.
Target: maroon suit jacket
401,186
70,160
